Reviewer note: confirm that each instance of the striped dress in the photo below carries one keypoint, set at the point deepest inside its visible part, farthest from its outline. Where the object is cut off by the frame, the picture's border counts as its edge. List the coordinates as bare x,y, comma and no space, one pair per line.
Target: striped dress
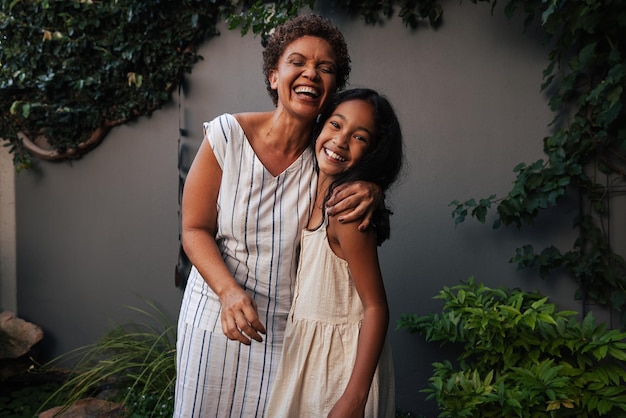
260,218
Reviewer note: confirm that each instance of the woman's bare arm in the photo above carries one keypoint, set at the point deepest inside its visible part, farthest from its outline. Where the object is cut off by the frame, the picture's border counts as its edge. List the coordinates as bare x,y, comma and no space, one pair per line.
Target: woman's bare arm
240,320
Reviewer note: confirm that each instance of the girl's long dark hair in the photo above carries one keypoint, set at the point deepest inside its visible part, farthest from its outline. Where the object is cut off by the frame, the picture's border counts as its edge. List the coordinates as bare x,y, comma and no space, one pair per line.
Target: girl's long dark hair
383,161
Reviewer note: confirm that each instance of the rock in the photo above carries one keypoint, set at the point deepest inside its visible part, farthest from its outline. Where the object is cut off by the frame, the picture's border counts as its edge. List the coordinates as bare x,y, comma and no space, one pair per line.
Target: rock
16,335
86,408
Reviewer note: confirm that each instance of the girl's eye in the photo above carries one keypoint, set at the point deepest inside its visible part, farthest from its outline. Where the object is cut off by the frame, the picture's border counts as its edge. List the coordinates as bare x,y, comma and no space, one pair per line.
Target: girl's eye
334,124
361,138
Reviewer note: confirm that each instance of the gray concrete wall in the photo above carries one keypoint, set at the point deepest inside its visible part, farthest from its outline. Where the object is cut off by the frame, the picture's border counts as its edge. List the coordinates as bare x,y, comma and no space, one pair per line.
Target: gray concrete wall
100,233
8,259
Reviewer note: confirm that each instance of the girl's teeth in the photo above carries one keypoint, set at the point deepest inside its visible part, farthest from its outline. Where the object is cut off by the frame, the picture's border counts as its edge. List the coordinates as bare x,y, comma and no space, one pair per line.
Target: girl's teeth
334,155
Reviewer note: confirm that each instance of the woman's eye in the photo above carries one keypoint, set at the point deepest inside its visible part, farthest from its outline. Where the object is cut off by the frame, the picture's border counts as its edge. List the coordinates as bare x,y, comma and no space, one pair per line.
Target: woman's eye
327,69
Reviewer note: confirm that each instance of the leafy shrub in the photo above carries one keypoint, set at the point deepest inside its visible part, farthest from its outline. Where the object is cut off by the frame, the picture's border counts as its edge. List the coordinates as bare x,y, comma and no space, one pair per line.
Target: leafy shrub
521,357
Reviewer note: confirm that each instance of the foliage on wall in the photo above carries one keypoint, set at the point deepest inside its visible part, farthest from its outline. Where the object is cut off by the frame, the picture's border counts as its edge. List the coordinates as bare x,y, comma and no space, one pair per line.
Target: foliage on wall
71,70
260,18
586,152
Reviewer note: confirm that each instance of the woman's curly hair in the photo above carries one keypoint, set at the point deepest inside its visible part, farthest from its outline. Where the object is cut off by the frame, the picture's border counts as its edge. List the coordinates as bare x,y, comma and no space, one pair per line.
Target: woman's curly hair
297,27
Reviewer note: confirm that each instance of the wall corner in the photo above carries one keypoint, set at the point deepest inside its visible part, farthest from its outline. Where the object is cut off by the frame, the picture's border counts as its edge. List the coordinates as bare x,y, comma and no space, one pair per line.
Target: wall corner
8,247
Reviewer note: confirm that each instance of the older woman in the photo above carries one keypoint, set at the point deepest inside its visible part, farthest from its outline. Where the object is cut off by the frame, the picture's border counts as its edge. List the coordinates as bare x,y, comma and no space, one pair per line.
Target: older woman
247,196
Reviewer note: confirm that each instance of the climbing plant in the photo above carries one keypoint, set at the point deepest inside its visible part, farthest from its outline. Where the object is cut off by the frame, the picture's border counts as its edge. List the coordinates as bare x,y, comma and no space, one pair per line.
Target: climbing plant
72,69
260,18
586,151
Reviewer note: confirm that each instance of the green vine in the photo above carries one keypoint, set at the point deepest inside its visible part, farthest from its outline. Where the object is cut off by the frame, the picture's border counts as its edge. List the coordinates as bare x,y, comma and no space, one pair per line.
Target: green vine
260,18
586,152
72,69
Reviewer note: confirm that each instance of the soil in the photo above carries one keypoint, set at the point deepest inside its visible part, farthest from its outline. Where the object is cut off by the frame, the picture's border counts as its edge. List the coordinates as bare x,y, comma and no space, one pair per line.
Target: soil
25,386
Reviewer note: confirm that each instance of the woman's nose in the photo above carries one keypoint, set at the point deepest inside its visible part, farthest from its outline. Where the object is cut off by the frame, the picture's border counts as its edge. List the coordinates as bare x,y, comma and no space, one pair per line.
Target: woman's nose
311,72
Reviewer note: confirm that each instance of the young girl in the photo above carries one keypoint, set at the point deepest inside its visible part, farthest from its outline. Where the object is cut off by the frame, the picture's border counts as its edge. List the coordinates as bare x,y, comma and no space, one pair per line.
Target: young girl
335,362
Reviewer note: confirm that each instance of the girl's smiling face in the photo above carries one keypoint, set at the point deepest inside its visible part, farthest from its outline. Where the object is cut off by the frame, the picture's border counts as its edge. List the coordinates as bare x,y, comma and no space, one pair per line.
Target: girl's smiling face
345,137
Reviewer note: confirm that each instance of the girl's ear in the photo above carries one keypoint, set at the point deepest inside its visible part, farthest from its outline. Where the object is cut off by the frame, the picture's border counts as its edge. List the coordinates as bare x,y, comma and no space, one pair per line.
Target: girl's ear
273,79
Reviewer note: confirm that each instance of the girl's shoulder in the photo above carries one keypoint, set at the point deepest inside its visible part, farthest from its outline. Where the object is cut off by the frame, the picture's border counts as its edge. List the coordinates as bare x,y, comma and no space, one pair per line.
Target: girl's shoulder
346,237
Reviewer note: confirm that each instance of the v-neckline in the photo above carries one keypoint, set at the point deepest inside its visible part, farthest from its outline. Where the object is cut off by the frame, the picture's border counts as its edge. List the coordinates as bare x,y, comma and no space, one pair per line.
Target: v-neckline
296,162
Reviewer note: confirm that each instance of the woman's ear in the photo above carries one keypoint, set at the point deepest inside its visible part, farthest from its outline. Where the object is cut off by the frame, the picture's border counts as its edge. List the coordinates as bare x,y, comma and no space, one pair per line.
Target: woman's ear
273,79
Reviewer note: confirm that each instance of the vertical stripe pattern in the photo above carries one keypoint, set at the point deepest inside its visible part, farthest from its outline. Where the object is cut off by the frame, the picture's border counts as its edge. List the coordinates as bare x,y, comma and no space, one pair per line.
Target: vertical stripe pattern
260,217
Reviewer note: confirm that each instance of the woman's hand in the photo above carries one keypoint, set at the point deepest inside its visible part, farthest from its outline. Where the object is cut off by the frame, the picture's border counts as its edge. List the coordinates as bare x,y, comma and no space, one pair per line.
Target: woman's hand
240,318
356,201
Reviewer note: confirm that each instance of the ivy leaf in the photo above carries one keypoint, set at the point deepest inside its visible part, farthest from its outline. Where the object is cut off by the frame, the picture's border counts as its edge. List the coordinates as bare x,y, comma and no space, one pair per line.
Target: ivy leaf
26,110
614,95
586,54
14,107
548,11
480,212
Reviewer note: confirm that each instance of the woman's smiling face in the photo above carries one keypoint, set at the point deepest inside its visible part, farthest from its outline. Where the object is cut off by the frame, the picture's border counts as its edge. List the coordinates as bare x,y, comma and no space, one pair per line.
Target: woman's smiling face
305,77
345,137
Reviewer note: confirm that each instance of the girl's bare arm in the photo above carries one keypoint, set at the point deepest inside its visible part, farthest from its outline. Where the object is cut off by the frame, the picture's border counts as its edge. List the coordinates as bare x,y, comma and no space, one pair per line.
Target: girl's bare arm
359,250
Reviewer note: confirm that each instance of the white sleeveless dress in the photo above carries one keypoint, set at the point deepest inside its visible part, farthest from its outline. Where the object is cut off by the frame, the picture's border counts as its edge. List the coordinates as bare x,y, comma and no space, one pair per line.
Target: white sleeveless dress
321,340
260,218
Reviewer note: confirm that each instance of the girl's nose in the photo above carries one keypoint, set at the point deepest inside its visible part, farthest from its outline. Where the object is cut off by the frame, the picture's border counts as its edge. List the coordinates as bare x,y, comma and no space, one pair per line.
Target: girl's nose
341,140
